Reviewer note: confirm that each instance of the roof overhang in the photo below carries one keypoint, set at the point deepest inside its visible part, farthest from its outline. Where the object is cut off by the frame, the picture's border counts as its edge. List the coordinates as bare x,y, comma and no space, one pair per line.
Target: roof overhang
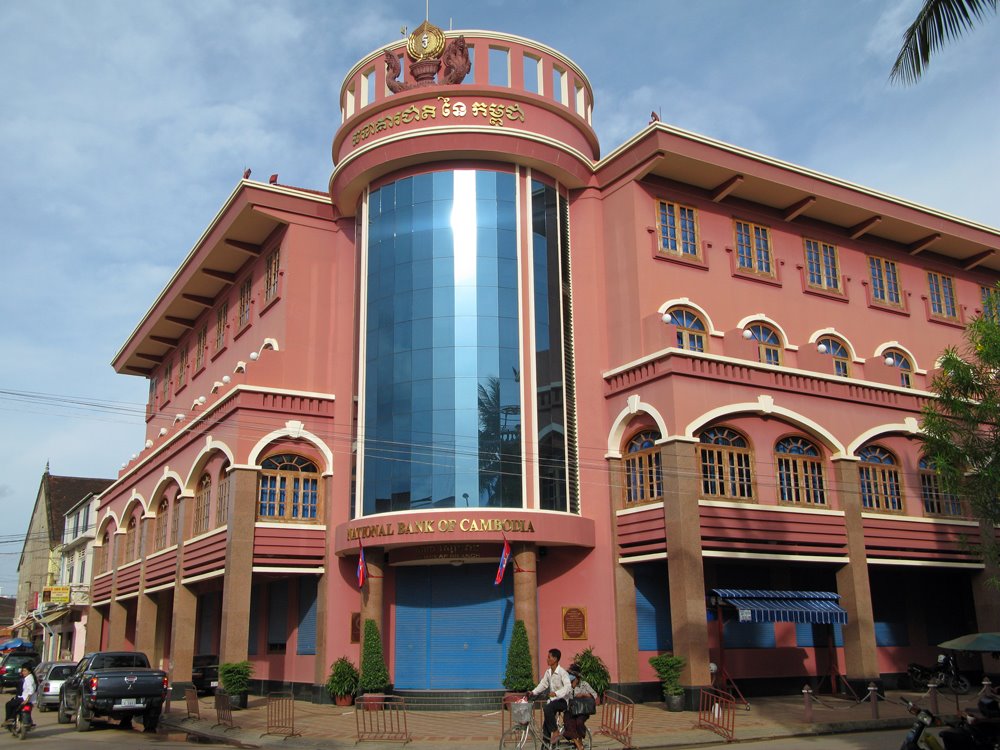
243,228
727,173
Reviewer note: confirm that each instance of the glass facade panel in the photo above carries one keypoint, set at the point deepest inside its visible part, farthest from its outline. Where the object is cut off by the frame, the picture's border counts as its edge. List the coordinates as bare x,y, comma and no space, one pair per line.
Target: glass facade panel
442,400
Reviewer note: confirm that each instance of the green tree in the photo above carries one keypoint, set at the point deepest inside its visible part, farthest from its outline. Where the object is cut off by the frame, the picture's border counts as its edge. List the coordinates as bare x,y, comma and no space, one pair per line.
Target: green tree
374,674
938,22
519,677
961,427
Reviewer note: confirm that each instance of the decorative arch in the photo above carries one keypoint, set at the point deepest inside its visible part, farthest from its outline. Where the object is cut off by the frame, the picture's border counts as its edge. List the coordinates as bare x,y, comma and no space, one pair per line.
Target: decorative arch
164,481
102,526
134,500
702,312
616,436
880,352
762,318
204,456
821,332
908,426
765,406
296,430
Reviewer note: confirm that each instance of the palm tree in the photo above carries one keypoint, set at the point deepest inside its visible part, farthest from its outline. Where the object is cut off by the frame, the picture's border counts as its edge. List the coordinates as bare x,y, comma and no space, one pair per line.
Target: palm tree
938,21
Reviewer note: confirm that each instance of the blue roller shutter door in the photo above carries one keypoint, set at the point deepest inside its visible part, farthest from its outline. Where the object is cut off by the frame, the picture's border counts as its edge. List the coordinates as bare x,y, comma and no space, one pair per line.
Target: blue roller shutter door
453,627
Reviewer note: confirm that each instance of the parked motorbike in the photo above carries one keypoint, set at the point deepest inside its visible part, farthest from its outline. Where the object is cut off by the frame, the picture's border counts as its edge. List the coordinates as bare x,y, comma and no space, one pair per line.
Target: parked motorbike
22,723
975,730
945,673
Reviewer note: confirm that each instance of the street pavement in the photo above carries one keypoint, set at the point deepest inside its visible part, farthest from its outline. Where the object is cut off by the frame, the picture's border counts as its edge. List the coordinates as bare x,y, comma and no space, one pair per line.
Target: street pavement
333,727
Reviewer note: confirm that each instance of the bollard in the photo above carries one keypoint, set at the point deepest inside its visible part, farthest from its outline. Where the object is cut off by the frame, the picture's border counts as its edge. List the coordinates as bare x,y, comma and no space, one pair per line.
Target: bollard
987,687
807,698
873,697
932,695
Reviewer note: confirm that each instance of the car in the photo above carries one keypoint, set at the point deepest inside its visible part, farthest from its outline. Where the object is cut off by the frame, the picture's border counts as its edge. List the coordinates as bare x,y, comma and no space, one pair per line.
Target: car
10,667
205,673
50,676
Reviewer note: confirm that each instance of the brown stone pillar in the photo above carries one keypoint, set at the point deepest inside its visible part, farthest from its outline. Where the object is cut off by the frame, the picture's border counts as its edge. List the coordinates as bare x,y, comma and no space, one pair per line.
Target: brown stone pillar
626,628
372,604
182,635
145,625
685,567
525,572
238,579
94,628
160,654
853,585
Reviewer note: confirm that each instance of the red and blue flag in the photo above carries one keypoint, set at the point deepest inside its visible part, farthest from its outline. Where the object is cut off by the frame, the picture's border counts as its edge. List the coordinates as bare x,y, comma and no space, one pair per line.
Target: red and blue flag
362,568
504,557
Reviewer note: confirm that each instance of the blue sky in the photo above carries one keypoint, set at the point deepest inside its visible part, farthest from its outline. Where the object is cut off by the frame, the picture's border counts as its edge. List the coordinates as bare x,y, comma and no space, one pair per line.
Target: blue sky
125,126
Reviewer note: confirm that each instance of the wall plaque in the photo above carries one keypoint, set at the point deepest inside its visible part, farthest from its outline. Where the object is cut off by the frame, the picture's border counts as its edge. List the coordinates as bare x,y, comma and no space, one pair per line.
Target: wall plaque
574,623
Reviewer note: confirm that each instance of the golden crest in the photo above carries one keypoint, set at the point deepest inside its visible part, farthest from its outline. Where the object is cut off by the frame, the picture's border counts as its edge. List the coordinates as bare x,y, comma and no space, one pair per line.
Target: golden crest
426,42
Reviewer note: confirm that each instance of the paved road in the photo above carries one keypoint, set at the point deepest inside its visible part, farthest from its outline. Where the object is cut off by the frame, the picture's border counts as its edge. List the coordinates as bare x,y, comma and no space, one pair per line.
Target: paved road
881,740
49,734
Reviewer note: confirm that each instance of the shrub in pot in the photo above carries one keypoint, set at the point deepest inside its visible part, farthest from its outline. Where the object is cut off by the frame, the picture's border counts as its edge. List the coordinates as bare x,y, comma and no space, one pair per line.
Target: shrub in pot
668,668
593,670
343,681
374,679
235,679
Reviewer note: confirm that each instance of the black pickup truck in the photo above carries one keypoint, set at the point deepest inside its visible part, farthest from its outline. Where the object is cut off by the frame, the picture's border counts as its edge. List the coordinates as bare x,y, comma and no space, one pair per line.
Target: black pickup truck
113,684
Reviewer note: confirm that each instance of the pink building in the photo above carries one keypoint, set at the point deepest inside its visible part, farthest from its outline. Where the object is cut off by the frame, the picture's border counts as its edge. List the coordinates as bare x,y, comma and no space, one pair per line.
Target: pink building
683,380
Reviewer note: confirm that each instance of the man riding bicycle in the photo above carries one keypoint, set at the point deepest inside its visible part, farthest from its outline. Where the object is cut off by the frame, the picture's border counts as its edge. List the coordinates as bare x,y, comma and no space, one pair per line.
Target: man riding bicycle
555,686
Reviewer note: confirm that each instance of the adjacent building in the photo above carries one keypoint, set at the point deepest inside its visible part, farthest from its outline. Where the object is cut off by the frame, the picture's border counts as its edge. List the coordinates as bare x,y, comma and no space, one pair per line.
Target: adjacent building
682,380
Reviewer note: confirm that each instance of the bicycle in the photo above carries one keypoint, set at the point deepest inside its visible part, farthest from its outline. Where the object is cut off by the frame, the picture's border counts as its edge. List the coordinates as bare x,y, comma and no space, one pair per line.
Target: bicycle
525,735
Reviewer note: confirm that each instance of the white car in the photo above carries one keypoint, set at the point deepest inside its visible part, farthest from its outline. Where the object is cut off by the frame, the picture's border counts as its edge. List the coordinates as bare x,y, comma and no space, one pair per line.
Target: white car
50,676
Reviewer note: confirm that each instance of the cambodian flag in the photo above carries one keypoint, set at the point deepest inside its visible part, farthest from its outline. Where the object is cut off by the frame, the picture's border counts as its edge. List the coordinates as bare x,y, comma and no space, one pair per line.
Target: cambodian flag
362,568
504,557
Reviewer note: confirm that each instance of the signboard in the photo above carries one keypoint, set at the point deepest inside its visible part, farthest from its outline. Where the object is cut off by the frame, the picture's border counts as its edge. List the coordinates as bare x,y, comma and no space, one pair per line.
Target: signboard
56,594
574,623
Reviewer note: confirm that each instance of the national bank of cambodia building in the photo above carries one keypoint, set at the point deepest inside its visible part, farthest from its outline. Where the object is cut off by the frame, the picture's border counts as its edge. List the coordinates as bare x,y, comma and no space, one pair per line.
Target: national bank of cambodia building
665,376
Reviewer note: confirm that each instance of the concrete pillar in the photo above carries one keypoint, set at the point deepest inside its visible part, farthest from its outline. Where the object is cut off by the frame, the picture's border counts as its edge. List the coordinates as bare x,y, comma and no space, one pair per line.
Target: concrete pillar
161,653
182,636
525,571
145,625
95,626
372,604
853,584
626,627
685,567
238,578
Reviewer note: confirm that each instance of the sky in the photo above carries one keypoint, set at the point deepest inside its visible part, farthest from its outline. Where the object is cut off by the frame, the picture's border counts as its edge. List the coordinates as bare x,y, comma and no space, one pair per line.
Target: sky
124,126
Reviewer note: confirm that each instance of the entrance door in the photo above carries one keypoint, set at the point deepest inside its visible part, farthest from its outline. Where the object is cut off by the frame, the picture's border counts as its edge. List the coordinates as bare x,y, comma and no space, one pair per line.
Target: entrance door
453,627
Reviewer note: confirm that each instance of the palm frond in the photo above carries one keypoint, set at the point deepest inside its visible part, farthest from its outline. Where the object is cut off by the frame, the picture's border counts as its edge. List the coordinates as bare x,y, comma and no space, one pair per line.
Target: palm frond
938,22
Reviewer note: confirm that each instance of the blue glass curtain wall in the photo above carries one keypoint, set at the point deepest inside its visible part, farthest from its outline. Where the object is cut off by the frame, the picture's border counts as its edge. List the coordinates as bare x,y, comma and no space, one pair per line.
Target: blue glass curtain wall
442,425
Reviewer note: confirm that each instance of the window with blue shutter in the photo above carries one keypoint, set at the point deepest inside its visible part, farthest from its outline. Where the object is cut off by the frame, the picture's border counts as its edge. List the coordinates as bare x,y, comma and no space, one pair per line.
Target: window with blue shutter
307,617
816,635
277,617
254,621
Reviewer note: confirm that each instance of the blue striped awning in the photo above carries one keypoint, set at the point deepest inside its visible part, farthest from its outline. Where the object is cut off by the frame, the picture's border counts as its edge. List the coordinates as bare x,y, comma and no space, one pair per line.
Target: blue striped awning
756,605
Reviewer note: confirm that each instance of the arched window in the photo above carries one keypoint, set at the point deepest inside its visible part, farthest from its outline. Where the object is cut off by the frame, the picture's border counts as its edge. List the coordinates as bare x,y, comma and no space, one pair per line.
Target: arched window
222,498
101,555
643,475
175,520
836,349
896,358
936,501
880,488
726,464
288,489
768,343
690,329
800,472
160,533
131,534
202,505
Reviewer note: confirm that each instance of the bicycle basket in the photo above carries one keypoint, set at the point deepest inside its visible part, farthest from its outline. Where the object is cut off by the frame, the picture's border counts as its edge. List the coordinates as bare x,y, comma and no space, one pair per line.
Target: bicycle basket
521,711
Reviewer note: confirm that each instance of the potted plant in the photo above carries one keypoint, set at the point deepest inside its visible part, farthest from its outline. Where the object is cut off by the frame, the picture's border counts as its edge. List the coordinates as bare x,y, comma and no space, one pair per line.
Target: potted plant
593,670
343,681
235,679
374,679
519,676
668,668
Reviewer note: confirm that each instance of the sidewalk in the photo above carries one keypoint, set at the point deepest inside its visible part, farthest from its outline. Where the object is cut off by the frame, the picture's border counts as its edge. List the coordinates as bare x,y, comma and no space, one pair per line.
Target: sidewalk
333,727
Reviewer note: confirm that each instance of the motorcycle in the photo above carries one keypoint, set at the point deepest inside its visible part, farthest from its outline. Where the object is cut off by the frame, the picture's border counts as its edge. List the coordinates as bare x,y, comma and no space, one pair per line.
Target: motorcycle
974,730
22,722
945,673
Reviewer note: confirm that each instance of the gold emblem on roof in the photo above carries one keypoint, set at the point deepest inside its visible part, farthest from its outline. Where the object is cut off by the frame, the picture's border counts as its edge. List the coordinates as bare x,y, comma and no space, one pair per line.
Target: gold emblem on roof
426,42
